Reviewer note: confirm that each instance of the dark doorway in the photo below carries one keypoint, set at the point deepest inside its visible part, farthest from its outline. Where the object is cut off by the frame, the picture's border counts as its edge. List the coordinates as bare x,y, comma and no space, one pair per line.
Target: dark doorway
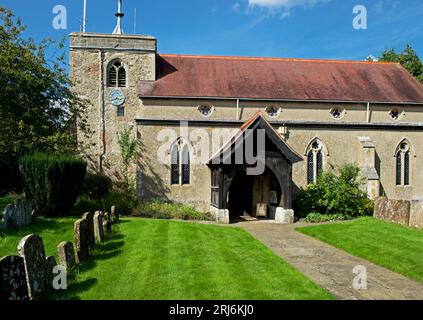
240,195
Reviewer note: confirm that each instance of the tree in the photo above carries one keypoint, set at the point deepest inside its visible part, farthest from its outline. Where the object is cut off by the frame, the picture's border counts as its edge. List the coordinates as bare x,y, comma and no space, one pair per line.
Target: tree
37,107
408,59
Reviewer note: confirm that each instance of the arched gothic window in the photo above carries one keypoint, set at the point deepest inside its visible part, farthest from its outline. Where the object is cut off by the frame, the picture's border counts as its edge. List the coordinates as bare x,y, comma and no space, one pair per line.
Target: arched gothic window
180,167
403,164
315,161
116,75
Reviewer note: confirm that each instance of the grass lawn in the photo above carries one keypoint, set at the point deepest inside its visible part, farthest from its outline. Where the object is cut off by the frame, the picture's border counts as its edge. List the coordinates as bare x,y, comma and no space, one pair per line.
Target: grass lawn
168,260
53,231
392,246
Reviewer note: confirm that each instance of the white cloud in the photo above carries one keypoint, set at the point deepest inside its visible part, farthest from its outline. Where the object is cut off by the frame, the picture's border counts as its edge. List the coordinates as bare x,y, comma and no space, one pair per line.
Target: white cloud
285,4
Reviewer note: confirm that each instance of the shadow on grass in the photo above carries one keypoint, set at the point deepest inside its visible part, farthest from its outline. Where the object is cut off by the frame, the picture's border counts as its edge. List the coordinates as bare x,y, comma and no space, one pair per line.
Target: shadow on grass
40,225
103,251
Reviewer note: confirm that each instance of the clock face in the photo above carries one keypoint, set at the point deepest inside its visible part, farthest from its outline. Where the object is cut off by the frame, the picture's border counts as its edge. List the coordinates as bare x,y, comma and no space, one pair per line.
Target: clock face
117,98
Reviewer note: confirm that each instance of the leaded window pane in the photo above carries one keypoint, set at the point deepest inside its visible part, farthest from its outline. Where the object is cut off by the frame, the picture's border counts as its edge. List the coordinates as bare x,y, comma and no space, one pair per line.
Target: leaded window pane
310,167
398,169
407,169
174,166
319,163
185,165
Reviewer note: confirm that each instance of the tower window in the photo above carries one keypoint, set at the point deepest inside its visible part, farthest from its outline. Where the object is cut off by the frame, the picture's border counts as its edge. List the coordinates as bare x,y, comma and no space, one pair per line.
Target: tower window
116,75
120,111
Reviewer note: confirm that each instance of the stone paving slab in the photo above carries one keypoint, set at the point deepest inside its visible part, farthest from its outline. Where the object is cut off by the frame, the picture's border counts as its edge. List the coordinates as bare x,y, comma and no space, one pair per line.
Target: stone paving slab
330,267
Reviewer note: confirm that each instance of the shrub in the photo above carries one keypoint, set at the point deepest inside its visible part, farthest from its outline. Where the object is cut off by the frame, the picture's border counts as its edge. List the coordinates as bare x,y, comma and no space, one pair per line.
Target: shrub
52,182
337,191
317,217
166,210
96,185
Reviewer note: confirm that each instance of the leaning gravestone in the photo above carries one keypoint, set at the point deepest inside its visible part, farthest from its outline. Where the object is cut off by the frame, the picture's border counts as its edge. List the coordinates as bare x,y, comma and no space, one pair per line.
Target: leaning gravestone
13,284
50,264
31,249
89,216
66,254
98,227
114,214
81,239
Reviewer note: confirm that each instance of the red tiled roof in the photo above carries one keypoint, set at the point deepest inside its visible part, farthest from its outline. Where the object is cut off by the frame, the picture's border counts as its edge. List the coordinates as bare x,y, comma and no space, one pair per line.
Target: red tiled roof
284,79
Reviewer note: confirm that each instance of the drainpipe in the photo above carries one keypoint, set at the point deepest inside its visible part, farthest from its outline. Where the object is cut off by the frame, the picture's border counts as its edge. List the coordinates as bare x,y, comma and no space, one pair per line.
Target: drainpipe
237,109
368,112
102,125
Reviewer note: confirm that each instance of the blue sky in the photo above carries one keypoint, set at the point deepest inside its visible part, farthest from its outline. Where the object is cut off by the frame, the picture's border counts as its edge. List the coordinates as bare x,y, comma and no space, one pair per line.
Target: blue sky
276,28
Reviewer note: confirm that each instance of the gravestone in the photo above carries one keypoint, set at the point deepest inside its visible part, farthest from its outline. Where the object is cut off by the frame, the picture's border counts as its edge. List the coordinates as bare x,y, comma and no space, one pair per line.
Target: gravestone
31,249
107,223
98,227
7,221
89,216
114,214
17,215
13,284
81,239
66,254
50,264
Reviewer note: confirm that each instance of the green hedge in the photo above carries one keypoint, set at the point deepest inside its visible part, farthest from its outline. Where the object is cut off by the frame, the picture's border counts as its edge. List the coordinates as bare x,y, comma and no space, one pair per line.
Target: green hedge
52,182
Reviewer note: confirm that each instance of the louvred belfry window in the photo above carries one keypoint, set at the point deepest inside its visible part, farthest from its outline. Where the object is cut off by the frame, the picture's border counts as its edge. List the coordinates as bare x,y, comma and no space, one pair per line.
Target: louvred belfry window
116,75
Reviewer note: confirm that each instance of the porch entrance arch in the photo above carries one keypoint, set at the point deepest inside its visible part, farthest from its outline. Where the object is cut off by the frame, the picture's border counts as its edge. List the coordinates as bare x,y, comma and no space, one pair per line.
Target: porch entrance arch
234,190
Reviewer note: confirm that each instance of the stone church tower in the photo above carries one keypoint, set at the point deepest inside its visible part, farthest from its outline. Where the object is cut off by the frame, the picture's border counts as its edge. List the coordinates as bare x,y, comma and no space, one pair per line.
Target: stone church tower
106,70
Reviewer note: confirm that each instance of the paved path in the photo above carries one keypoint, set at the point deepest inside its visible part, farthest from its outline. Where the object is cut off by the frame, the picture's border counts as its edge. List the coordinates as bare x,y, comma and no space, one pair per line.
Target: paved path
330,267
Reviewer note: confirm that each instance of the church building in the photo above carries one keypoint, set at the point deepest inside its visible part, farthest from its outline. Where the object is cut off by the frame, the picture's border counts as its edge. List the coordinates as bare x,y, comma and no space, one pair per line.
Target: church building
192,114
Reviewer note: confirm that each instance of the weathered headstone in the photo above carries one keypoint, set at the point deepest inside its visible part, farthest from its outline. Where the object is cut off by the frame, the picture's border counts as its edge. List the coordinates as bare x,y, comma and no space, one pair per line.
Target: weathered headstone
66,254
98,227
107,223
17,215
13,284
50,264
7,221
89,216
114,214
31,249
81,239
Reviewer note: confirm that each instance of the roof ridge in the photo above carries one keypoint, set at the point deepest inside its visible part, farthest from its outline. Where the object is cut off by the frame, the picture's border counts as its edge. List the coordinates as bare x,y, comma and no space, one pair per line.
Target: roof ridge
277,59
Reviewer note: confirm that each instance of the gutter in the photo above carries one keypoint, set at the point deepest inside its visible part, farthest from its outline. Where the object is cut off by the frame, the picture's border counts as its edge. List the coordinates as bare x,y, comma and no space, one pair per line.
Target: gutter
281,100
